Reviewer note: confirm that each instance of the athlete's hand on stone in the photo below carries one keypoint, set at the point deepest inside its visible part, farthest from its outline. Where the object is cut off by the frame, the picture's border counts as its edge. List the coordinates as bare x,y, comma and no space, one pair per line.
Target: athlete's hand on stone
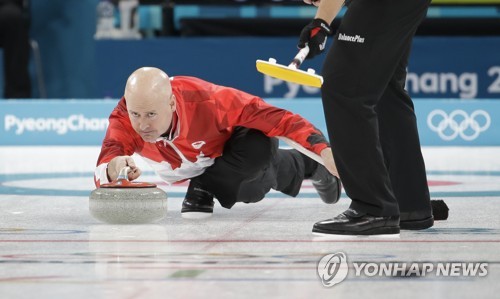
117,163
328,161
314,35
313,2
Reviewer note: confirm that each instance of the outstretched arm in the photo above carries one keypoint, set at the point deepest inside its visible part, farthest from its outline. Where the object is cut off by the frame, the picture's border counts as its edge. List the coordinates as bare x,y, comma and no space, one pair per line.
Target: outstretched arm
117,147
237,108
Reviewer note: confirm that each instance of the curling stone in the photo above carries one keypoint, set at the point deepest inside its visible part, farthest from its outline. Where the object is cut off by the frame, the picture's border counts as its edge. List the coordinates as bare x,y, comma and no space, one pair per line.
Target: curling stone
125,202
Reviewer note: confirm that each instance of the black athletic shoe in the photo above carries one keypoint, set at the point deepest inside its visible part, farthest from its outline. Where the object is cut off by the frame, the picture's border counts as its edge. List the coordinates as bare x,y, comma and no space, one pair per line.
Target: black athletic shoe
326,184
352,222
198,204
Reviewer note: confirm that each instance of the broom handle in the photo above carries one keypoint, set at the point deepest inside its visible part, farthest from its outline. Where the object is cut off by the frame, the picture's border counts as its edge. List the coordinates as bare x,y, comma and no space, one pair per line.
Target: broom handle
299,58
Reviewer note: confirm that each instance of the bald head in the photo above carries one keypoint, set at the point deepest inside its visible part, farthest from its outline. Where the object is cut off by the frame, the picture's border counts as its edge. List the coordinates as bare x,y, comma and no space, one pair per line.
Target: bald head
150,102
148,84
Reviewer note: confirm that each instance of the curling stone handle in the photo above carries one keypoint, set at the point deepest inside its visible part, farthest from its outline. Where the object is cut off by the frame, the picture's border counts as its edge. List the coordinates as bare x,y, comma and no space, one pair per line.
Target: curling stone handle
299,58
123,175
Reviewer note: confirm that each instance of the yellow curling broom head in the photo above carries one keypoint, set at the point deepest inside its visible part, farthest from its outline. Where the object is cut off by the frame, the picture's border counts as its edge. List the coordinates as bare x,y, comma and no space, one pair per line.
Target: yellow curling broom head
287,73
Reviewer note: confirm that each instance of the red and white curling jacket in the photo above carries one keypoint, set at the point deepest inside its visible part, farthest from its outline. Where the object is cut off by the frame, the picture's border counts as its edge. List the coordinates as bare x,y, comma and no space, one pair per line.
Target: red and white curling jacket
205,117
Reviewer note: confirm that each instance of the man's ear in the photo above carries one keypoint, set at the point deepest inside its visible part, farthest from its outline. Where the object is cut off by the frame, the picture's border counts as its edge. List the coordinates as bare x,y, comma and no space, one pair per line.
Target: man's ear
173,103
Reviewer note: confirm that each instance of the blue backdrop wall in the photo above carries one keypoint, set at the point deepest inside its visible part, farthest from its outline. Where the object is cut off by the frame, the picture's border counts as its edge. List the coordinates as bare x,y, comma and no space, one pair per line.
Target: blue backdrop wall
77,66
458,67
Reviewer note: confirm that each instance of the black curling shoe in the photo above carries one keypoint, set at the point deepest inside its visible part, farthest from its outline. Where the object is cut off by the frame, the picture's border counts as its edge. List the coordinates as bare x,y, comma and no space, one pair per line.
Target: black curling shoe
198,204
326,184
352,222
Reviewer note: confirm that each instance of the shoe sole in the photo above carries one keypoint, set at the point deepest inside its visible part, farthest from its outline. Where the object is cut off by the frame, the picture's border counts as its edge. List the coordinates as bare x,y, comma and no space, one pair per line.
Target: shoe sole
196,215
323,236
385,230
417,224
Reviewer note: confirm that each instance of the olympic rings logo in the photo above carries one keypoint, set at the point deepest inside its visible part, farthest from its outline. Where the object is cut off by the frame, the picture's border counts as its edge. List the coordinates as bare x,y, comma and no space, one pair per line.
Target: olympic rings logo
458,123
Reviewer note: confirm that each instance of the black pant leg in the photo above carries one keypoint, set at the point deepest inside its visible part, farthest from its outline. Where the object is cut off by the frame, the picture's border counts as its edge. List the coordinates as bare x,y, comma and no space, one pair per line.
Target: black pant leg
357,70
14,39
245,155
401,147
250,166
285,173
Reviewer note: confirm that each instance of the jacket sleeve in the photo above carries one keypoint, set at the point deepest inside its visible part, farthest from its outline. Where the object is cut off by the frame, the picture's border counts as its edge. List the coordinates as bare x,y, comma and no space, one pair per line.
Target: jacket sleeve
119,141
237,108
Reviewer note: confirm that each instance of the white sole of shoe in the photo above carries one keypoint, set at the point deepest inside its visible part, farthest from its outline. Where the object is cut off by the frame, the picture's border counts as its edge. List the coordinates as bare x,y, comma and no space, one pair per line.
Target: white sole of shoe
320,236
196,215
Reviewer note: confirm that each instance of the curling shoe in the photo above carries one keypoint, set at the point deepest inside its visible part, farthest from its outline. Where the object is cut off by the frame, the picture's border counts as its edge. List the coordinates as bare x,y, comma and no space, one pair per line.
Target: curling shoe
326,184
416,220
198,204
352,222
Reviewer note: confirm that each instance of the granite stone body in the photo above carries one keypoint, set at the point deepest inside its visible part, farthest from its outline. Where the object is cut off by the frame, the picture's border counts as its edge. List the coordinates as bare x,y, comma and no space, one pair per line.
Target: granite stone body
128,205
